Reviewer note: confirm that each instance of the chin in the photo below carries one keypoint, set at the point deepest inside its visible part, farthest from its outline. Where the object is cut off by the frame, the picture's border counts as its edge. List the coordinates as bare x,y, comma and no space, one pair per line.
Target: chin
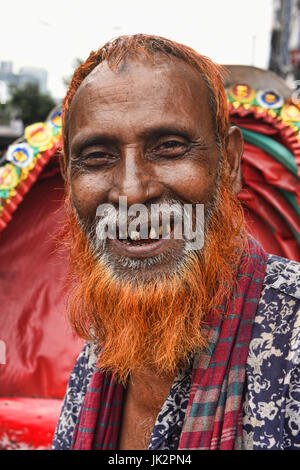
164,265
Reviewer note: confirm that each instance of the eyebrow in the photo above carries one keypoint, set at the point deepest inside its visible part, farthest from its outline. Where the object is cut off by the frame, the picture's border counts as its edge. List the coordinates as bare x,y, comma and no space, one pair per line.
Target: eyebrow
97,139
162,131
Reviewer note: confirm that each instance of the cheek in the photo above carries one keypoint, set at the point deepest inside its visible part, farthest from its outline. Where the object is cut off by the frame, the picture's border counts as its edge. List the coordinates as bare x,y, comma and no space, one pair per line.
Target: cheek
87,192
192,183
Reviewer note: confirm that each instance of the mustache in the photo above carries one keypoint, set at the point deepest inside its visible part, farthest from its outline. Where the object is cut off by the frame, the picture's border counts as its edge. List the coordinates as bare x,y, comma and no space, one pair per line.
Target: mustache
122,222
144,221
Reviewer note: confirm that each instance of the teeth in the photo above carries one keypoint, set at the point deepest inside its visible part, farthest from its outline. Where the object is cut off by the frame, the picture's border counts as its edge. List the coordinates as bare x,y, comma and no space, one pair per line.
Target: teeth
134,235
123,234
152,233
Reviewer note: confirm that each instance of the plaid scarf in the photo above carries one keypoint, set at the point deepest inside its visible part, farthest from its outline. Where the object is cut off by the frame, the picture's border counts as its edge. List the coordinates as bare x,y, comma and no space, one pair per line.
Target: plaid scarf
214,413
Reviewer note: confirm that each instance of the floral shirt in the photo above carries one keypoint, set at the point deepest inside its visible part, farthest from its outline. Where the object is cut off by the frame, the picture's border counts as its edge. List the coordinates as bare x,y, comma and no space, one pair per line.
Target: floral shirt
271,409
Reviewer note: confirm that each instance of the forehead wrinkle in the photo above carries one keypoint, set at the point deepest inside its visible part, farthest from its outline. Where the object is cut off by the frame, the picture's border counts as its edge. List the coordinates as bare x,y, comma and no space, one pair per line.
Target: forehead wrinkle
105,94
171,67
185,86
151,106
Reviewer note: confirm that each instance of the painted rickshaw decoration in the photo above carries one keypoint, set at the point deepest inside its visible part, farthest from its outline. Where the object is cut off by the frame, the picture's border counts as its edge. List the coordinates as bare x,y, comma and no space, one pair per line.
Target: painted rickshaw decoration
24,160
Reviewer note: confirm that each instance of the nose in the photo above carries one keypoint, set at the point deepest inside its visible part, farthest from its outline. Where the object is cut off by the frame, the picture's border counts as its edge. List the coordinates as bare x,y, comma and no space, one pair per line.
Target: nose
135,179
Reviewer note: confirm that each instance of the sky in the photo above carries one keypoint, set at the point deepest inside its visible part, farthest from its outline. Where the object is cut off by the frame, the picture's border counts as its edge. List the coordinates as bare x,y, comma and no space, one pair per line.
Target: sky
52,33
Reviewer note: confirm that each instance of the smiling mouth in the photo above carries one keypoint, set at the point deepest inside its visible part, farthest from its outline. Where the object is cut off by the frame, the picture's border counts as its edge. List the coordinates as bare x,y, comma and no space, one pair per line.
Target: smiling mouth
146,242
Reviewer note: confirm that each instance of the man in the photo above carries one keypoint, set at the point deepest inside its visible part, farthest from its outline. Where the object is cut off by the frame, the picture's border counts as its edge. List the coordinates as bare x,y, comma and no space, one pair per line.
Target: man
188,346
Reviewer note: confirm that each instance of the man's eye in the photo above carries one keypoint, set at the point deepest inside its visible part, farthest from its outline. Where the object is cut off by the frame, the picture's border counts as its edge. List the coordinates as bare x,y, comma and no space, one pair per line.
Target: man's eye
91,156
97,159
171,147
171,144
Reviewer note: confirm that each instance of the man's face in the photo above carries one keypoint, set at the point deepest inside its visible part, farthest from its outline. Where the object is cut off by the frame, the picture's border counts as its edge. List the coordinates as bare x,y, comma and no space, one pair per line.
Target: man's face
144,131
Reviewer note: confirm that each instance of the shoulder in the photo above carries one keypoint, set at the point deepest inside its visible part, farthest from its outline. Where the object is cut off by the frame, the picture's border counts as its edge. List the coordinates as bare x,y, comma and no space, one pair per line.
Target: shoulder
75,393
272,405
275,342
279,305
283,275
280,296
83,368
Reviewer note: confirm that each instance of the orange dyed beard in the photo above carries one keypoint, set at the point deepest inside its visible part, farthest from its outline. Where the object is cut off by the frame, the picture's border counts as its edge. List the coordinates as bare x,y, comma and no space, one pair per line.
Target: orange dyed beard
156,326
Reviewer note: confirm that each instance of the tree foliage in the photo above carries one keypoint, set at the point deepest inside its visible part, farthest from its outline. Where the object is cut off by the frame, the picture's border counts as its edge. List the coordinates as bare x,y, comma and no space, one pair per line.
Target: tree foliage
5,115
30,104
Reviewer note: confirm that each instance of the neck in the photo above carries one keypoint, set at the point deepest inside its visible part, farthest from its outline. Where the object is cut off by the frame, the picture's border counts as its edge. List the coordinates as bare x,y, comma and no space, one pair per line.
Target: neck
148,389
146,393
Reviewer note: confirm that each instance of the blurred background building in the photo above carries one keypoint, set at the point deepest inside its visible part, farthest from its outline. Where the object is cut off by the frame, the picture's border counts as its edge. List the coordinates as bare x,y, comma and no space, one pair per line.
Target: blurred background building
25,75
22,95
285,40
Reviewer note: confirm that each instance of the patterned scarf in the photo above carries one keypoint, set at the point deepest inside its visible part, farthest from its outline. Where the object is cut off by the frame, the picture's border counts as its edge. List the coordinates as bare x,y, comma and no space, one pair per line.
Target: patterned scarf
214,413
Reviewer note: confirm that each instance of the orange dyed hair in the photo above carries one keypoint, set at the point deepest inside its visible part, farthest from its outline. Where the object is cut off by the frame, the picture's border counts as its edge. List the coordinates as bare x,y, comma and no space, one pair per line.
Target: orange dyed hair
126,47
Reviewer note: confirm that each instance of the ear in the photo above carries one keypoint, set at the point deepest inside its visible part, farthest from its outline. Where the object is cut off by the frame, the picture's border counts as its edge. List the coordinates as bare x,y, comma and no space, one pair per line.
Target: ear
234,150
62,166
